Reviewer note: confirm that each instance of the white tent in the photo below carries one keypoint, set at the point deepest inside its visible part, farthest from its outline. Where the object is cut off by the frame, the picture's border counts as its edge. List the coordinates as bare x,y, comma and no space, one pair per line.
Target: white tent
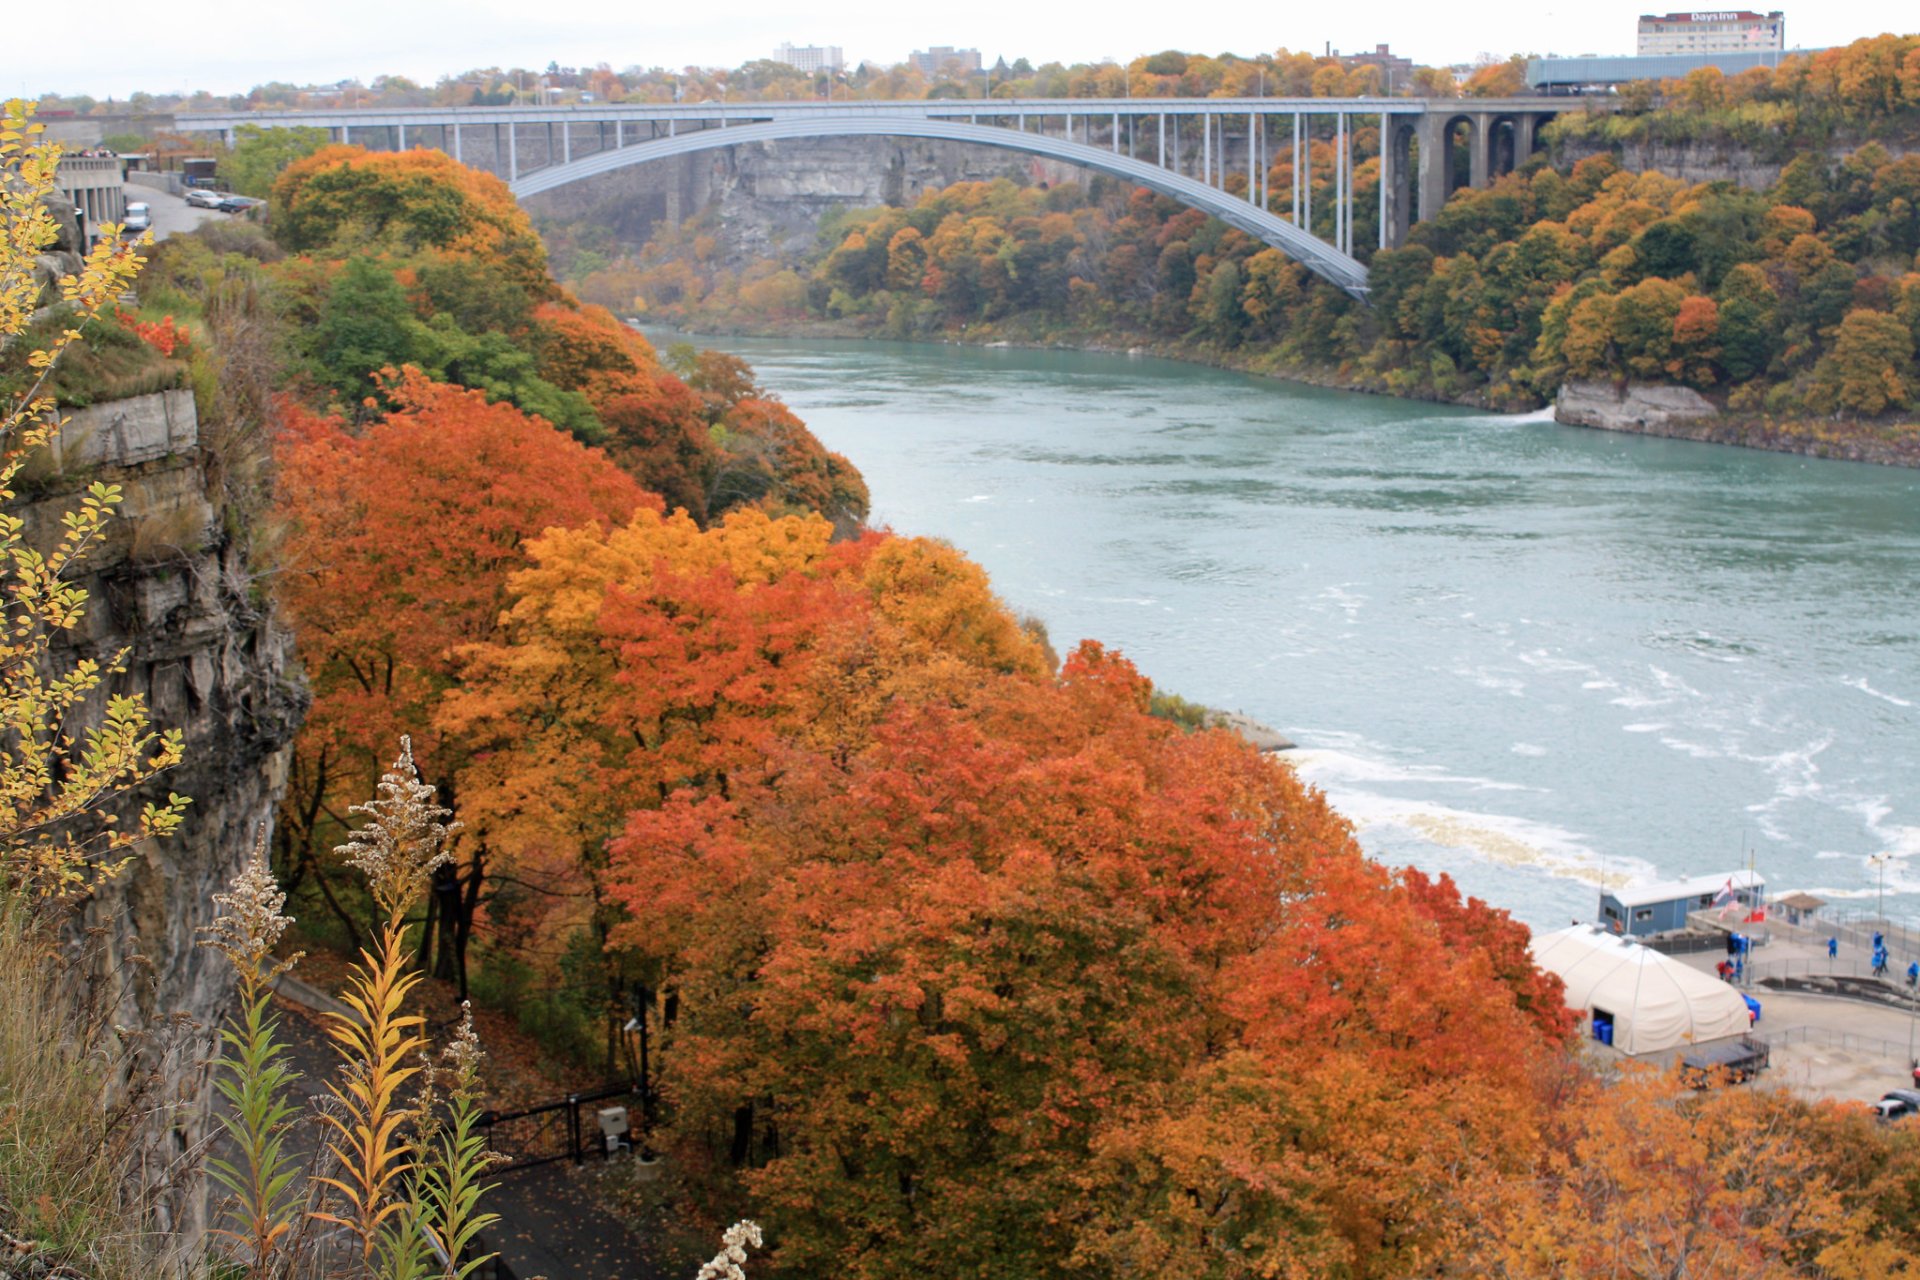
1656,1001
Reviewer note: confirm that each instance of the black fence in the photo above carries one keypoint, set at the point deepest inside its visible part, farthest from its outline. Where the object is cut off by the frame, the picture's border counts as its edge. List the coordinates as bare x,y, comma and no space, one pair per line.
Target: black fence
564,1129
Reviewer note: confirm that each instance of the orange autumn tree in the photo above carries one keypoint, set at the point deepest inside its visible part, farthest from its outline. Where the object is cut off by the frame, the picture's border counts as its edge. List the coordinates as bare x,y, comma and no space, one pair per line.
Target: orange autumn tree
654,423
402,540
954,998
640,661
343,200
1648,1178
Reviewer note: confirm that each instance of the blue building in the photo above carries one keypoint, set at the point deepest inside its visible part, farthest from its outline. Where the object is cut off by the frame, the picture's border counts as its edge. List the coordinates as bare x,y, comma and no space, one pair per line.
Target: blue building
1658,908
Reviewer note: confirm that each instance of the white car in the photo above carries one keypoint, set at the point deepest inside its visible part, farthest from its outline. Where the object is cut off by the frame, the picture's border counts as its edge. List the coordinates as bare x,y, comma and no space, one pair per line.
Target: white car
205,198
139,218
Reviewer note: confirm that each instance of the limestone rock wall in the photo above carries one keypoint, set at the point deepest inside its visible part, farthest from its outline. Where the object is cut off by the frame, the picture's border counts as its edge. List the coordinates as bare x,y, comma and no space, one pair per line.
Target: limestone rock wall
767,198
1633,406
174,589
1702,161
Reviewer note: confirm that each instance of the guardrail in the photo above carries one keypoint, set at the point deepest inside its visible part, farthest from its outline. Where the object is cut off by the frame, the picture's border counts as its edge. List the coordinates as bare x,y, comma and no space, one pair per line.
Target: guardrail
1848,1040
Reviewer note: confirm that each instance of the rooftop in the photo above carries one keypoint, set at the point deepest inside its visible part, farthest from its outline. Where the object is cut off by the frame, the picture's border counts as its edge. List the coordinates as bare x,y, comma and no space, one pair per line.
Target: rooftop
1669,890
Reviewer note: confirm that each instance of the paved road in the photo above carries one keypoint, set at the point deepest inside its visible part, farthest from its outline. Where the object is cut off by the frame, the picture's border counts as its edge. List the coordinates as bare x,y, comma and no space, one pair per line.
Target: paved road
171,214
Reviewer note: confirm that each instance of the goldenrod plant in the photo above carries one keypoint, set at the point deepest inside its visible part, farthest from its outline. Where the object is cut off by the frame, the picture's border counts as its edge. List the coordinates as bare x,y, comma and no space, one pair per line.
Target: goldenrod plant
60,773
253,1073
381,1169
450,1185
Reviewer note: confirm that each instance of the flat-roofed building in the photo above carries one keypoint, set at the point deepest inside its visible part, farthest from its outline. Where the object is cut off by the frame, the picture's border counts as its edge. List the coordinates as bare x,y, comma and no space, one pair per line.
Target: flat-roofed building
811,57
944,58
1711,31
1658,908
94,185
1603,75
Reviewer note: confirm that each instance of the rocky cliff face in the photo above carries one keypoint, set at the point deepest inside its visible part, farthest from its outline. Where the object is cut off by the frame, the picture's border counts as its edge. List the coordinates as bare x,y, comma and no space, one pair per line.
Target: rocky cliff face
767,199
1700,161
174,589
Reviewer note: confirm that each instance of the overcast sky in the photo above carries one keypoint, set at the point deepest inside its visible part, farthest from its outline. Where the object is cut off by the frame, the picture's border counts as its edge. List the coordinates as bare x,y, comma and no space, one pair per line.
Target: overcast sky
229,46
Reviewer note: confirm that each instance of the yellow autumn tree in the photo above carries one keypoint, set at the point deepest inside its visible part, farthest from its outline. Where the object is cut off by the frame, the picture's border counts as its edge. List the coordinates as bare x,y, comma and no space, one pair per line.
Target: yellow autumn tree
68,756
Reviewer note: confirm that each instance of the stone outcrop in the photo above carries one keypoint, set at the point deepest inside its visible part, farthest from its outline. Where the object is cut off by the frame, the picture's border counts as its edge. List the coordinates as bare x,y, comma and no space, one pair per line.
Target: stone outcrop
1648,409
767,198
174,589
1702,161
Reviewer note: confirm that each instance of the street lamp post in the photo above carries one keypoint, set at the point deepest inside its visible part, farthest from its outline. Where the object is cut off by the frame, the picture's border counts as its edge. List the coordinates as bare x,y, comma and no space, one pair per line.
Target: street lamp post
1879,860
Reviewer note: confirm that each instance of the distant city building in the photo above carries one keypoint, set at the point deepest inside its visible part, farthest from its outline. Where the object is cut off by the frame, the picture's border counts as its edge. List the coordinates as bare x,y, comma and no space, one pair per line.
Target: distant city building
1395,71
1724,31
931,62
812,57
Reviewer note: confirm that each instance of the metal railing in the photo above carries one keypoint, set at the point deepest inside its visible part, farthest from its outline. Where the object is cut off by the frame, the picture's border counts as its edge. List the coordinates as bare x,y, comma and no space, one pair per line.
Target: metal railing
1848,1040
549,1131
1894,980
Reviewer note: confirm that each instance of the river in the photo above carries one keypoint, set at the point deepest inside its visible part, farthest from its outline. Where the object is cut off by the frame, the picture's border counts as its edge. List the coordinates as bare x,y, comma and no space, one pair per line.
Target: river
1528,655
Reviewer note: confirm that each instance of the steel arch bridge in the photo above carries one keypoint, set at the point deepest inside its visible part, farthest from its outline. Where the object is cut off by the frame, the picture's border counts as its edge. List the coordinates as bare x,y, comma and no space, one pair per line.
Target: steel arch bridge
1316,255
1189,146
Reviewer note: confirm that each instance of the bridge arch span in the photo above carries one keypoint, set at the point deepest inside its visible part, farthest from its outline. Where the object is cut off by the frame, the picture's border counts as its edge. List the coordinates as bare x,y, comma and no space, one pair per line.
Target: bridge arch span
1322,259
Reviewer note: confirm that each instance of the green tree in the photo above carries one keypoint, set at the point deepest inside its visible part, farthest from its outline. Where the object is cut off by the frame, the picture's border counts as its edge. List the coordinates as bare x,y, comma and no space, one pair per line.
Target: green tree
261,153
366,324
1870,369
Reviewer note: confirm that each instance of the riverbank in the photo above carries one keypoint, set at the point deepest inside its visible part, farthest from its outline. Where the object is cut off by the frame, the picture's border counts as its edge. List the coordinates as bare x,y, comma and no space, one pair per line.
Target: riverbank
1878,442
1677,413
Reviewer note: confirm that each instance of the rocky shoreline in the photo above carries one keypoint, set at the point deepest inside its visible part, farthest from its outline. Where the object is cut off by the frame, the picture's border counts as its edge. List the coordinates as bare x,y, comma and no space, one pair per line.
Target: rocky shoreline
1679,413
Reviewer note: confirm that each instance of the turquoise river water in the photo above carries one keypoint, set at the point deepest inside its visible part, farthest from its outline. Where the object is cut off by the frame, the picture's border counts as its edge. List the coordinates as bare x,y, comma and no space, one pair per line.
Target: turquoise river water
1528,655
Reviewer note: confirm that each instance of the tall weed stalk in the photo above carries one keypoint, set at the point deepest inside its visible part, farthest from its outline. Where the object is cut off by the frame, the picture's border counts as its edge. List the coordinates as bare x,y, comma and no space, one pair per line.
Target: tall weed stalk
253,1074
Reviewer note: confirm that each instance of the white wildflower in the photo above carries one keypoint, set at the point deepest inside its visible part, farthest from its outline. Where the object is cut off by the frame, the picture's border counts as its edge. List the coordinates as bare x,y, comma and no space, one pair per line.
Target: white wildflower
250,922
404,839
728,1264
463,1054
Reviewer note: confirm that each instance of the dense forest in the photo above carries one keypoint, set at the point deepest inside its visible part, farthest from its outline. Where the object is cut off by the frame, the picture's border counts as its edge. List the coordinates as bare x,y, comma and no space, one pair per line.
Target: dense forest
960,958
1799,303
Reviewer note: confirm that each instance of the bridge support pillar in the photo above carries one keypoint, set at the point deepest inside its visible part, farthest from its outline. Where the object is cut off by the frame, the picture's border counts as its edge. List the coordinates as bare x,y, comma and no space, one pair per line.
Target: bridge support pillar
456,144
1480,158
1436,164
1526,129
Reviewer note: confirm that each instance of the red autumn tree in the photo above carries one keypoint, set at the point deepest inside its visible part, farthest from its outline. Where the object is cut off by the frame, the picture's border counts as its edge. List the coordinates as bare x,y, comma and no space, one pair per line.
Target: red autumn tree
401,542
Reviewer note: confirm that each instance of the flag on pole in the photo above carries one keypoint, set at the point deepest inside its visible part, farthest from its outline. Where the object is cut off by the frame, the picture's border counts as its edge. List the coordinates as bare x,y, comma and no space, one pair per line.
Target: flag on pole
1725,898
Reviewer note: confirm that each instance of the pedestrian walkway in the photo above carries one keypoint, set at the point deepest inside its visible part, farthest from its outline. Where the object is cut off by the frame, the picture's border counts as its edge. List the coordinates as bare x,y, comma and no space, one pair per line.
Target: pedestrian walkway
1824,1046
550,1224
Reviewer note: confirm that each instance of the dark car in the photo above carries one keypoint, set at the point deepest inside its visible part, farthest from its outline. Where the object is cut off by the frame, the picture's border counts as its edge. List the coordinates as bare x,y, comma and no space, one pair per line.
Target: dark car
1896,1104
238,204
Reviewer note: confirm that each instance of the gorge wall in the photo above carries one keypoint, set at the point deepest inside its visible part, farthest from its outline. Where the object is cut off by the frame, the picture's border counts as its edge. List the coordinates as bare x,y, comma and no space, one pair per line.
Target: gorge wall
765,200
1702,161
172,585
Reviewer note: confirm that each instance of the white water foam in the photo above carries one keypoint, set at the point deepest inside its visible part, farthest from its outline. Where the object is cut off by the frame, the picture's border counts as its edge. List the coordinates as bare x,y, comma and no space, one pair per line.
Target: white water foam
1860,683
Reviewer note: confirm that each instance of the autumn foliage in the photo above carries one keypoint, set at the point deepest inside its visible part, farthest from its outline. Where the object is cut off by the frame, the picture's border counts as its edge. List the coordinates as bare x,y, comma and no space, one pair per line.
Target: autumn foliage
957,961
346,199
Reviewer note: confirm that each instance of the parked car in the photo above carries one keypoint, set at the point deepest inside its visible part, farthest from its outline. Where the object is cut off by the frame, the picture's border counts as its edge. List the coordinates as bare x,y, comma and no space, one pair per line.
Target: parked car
1897,1103
139,218
238,204
205,198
